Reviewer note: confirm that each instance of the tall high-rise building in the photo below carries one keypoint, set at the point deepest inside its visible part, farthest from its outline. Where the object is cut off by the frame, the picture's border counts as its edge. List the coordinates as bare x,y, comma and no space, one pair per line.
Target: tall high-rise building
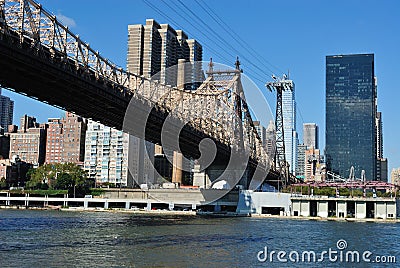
66,140
301,160
379,135
350,115
141,159
194,57
6,111
153,48
106,154
381,162
144,49
154,51
29,143
270,139
262,132
27,122
74,131
54,141
312,163
310,135
289,127
395,176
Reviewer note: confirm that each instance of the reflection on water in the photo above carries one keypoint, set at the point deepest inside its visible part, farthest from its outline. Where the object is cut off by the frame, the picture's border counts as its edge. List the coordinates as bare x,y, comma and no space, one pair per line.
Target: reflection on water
89,239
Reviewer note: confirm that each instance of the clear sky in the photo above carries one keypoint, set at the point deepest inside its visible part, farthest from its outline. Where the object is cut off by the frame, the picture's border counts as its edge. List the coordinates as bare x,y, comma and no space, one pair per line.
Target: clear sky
278,36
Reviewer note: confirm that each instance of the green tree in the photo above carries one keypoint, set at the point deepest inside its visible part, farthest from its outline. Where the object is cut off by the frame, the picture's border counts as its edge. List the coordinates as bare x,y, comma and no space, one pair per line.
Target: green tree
3,183
37,177
64,182
66,176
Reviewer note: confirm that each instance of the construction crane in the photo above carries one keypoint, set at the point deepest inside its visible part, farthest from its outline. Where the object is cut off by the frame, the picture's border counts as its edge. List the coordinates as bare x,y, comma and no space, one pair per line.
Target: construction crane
280,85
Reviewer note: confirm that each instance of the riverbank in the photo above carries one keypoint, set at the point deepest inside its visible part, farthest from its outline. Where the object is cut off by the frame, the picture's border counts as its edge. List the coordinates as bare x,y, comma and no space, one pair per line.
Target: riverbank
264,216
112,210
132,211
193,213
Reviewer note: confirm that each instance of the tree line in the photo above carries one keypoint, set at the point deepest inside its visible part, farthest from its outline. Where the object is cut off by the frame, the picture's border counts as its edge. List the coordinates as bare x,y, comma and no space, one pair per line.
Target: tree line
59,176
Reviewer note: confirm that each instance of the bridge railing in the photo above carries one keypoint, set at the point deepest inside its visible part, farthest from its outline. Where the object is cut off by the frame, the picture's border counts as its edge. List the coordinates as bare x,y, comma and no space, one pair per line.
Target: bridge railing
30,21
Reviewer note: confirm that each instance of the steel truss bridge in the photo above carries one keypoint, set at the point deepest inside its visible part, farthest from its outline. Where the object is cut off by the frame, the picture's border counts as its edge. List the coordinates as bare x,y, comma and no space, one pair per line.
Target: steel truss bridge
41,58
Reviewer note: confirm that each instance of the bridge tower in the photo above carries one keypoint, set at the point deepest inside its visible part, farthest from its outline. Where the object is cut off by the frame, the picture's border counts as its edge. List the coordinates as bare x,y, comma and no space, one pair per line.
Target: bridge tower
280,85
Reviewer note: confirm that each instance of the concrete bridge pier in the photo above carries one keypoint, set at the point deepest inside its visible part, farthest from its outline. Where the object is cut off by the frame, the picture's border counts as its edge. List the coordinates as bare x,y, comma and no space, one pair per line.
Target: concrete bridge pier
205,179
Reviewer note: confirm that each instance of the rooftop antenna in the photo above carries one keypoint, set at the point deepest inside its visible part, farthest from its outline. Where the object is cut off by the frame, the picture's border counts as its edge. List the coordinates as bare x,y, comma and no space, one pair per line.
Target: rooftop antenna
237,64
210,66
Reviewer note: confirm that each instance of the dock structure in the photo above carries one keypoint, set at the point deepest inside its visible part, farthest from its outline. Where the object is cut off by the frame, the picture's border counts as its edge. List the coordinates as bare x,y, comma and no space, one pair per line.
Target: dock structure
346,207
125,198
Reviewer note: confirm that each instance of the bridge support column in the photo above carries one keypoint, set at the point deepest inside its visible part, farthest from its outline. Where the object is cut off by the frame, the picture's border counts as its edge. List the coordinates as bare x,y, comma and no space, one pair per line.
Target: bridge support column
200,178
85,204
127,205
106,204
177,168
8,201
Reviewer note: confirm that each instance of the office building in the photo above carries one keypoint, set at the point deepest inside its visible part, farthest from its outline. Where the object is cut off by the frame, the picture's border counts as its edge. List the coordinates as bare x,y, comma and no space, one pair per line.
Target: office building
350,115
270,139
381,162
6,111
382,170
301,161
379,135
289,127
310,135
29,143
262,132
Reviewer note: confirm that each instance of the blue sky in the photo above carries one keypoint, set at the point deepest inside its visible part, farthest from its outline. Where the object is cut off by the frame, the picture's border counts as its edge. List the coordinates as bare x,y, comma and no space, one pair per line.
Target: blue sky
290,35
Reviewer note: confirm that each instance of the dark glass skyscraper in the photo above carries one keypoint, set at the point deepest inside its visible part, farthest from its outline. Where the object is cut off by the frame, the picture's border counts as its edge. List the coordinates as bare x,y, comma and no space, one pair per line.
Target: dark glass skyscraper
350,115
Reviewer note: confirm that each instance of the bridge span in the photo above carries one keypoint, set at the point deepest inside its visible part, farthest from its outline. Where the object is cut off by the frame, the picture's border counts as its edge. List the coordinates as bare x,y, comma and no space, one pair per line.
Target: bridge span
42,59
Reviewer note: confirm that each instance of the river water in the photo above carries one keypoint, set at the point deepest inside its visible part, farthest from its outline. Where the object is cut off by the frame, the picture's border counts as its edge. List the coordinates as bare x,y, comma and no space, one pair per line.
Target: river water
31,238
